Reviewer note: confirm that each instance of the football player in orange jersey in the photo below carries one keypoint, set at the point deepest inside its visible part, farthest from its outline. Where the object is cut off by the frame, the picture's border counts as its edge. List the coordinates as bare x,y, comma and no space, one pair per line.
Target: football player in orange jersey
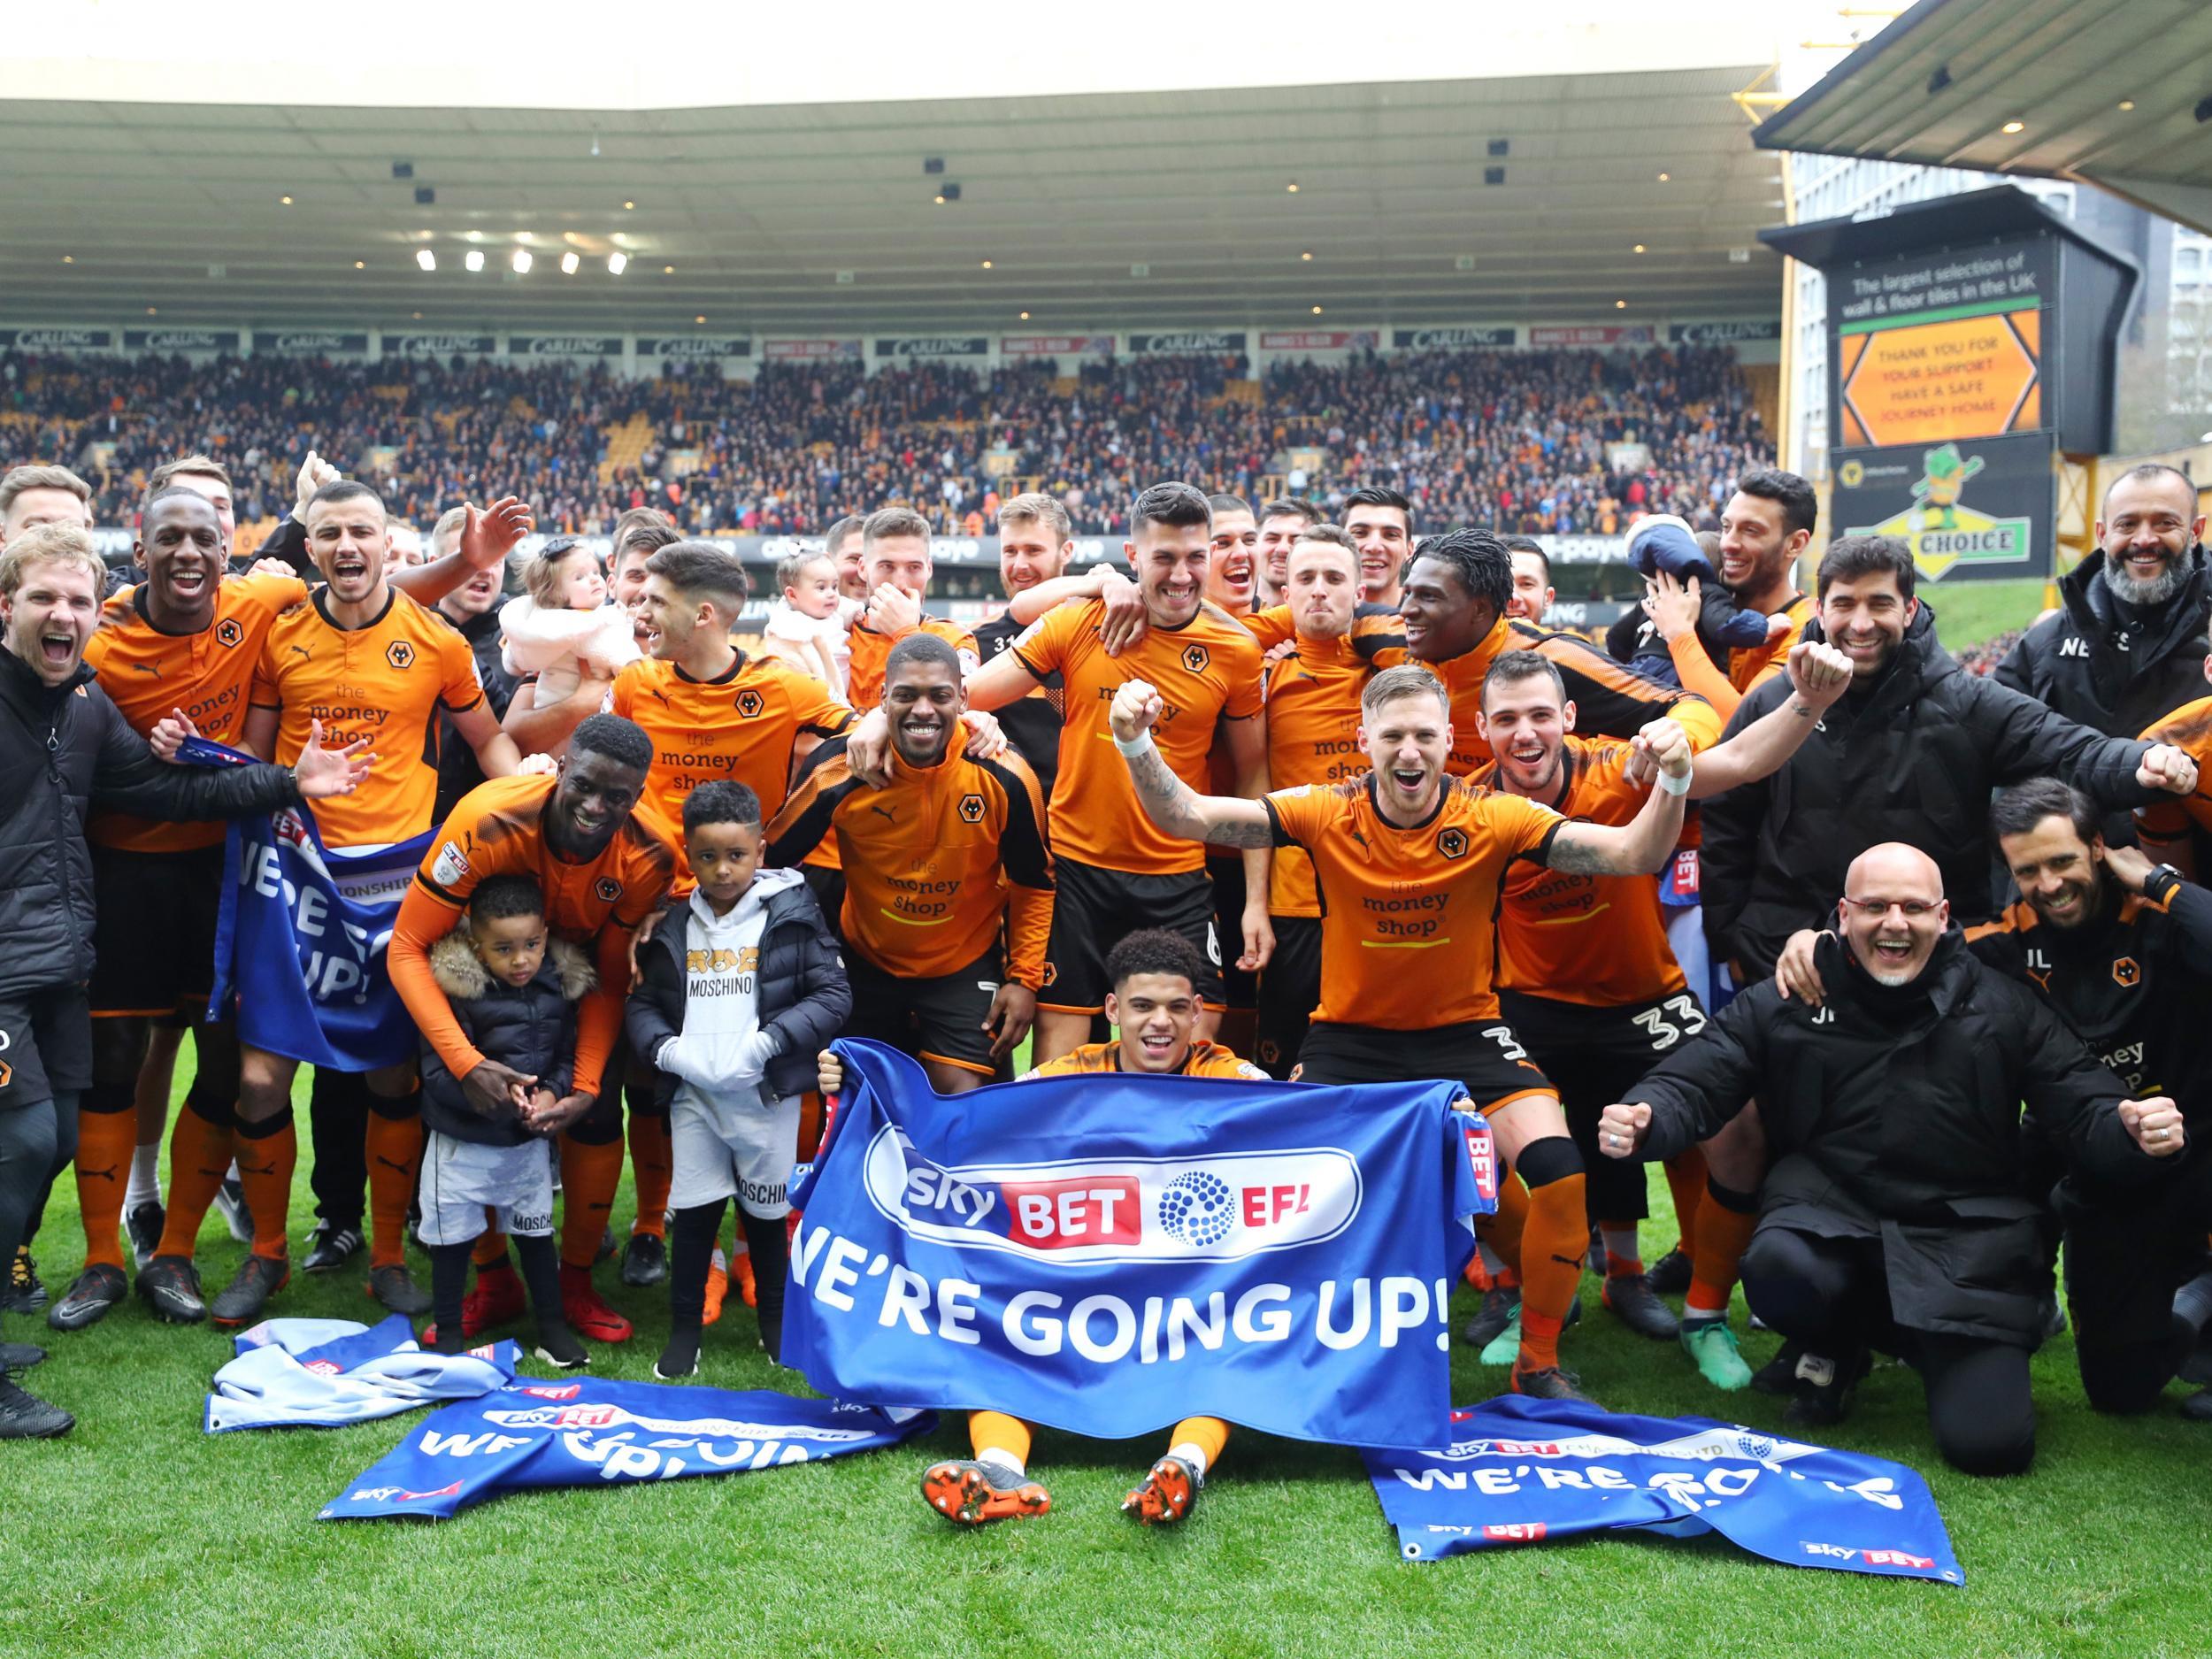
1312,737
374,662
895,551
1586,978
1155,1004
1409,866
1114,872
948,901
1379,520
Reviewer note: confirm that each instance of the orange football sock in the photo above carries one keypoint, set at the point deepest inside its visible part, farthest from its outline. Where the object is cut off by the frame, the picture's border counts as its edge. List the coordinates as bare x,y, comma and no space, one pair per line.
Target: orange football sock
267,1154
105,1140
1502,1231
1685,1180
395,1152
1208,1434
491,1245
199,1156
995,1432
1723,1235
1557,1239
652,1171
589,1175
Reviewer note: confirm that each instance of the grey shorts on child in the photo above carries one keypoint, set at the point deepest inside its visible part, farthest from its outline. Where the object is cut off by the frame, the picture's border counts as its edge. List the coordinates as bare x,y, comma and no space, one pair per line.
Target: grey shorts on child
734,1146
462,1179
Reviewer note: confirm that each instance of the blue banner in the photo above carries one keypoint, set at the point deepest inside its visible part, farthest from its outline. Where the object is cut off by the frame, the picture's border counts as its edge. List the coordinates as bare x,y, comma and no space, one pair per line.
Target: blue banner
593,1432
326,1373
1111,1252
301,943
1521,1471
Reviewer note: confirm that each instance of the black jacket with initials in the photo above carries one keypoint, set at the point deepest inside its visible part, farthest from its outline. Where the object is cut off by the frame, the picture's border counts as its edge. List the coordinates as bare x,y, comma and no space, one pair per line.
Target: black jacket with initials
1894,1113
1912,757
2134,983
2119,669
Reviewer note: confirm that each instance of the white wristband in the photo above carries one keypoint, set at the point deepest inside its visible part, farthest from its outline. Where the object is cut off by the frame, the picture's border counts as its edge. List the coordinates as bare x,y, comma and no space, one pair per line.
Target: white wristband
1673,785
1130,751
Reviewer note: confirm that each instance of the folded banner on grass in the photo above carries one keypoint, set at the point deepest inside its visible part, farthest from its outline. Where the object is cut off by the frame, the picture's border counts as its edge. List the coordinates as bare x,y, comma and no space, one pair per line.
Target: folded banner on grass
1520,1472
323,1373
301,943
592,1433
1111,1252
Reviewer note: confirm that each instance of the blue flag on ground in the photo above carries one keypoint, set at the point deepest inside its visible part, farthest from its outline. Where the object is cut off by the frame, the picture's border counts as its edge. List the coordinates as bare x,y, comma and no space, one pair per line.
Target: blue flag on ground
301,943
589,1432
1520,1472
1111,1252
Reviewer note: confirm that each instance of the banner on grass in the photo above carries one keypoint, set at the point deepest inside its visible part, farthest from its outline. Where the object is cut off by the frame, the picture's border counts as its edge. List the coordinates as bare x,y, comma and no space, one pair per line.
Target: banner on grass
324,1373
593,1432
301,943
1521,1471
1109,1253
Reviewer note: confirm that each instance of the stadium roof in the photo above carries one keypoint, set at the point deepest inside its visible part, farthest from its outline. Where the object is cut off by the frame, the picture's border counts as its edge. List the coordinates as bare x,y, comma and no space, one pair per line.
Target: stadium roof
290,213
2115,92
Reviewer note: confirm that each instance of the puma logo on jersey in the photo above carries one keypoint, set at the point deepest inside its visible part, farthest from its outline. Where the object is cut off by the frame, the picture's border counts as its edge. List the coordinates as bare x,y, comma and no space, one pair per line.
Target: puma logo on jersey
884,812
146,668
302,649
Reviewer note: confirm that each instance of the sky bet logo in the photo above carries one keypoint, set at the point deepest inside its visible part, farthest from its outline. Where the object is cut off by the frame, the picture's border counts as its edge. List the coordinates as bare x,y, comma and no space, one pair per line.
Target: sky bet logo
1085,1211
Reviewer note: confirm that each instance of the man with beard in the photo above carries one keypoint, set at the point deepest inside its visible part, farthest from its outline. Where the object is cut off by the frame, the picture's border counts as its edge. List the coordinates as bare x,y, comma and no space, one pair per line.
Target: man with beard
1312,738
1767,524
1911,752
1585,976
895,548
2122,950
1411,865
1896,1215
69,747
385,667
603,868
1114,872
2121,652
1283,522
1034,548
944,860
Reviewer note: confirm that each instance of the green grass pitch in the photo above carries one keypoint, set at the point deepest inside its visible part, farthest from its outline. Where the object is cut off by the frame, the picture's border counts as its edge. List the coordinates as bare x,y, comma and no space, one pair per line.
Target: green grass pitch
139,1535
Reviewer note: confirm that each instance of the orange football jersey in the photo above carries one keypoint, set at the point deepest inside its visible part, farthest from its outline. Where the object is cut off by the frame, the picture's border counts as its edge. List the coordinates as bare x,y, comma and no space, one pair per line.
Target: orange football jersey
208,674
1408,916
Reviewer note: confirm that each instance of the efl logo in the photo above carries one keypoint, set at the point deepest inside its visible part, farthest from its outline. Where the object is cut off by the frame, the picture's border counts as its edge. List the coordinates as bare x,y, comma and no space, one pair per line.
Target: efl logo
1085,1211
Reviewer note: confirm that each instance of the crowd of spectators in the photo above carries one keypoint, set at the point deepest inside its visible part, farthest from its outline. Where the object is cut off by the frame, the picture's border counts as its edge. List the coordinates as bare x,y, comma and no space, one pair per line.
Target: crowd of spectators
1548,442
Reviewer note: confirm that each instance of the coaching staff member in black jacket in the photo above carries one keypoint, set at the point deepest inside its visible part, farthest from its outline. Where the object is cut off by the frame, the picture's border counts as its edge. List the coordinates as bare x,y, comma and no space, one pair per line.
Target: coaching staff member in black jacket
64,747
1897,1214
1909,754
2126,648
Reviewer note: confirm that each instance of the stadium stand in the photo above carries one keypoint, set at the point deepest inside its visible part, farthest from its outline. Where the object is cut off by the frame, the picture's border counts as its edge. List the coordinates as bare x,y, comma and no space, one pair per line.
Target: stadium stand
1525,440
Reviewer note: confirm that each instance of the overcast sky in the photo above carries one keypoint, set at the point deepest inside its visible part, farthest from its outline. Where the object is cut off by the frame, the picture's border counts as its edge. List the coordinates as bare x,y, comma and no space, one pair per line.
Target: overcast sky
569,54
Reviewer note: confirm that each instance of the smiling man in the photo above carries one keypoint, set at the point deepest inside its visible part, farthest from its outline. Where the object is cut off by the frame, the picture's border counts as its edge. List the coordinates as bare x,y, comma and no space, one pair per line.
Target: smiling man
382,667
895,556
1379,520
948,897
1233,570
1911,752
603,867
1034,548
2122,653
184,639
1896,1216
1409,865
66,748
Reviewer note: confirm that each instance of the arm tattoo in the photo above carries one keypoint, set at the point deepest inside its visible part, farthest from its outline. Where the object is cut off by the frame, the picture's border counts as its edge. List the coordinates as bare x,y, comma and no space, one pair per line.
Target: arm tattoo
1572,854
1175,806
